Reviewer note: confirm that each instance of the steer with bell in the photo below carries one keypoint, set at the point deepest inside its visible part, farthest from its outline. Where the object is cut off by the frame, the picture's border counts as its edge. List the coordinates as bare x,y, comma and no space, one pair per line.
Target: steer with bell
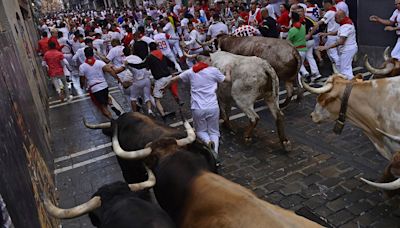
369,105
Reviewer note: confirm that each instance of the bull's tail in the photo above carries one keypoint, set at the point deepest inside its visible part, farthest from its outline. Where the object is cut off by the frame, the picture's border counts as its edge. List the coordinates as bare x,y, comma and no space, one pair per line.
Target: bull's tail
289,85
274,80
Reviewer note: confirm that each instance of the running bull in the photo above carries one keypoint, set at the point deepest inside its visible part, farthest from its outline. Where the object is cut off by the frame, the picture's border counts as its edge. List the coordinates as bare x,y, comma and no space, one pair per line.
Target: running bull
194,196
370,105
282,56
135,131
117,205
252,78
390,68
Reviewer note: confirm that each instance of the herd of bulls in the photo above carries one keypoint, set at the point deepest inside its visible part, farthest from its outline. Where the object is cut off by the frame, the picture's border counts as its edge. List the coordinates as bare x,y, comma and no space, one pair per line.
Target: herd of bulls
182,170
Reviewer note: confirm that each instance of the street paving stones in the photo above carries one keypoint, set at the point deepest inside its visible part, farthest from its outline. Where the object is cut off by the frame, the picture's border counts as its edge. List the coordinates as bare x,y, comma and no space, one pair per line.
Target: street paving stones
319,178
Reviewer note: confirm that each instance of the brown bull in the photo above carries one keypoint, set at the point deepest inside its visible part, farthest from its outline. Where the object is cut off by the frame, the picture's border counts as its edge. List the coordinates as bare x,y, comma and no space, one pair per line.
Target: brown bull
372,106
390,68
195,197
282,56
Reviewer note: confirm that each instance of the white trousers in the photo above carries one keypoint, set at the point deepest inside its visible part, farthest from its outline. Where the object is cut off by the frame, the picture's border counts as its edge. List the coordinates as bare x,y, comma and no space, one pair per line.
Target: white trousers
171,57
396,50
206,124
57,84
174,44
346,60
310,57
303,70
333,52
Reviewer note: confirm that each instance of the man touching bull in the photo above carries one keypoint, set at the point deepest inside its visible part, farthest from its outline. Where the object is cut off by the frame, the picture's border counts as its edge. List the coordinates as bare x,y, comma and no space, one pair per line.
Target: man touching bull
347,44
204,81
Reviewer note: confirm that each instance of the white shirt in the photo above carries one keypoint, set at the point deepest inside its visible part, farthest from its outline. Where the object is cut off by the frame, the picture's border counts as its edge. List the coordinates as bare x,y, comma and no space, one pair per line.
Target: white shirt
313,12
94,75
64,31
169,29
271,11
203,86
176,9
216,29
147,39
343,7
192,43
252,17
162,41
80,55
329,19
115,35
396,18
349,32
76,45
98,44
137,74
117,57
98,30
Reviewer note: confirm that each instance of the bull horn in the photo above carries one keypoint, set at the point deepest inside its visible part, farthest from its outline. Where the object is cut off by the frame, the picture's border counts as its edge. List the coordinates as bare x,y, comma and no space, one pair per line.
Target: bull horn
326,88
151,181
129,155
191,136
389,67
392,137
385,186
335,69
208,42
386,54
187,55
96,126
74,212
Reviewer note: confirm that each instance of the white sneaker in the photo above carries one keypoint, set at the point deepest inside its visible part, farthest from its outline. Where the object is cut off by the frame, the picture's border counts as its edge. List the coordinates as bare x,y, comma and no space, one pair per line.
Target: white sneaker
70,98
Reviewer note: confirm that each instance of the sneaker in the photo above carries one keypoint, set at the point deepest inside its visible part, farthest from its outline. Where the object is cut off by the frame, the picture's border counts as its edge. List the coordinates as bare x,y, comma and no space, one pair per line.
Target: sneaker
316,77
151,113
116,111
70,98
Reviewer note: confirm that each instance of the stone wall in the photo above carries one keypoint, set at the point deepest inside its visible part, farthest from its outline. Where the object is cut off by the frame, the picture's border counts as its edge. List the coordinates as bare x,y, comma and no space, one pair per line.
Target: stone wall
25,155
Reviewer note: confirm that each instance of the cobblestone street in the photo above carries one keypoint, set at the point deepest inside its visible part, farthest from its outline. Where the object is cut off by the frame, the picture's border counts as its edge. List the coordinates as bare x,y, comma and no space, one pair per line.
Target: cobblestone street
319,178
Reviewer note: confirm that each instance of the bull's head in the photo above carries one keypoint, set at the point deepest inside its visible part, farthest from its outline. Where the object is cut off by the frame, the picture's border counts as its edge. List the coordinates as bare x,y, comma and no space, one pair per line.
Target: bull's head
329,99
94,202
391,177
145,152
390,68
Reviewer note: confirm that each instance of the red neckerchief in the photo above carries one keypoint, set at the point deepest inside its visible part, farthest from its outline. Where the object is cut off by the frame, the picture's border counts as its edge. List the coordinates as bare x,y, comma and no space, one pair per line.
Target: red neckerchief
332,9
337,1
297,25
346,20
158,54
90,61
199,66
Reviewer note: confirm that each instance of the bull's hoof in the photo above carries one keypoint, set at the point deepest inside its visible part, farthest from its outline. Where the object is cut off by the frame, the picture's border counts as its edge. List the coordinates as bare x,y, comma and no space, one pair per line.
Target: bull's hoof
287,145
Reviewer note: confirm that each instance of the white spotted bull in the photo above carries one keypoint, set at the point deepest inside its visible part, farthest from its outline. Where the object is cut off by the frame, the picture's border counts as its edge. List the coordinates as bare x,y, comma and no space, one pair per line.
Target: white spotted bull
252,78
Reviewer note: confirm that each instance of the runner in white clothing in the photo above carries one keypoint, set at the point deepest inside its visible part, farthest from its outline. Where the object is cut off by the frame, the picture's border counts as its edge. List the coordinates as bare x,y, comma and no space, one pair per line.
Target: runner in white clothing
174,42
393,24
204,81
332,28
162,41
346,43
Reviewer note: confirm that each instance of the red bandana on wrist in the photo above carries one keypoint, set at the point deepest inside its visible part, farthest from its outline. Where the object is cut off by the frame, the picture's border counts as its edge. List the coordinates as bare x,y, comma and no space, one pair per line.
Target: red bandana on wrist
346,20
90,61
199,66
332,9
